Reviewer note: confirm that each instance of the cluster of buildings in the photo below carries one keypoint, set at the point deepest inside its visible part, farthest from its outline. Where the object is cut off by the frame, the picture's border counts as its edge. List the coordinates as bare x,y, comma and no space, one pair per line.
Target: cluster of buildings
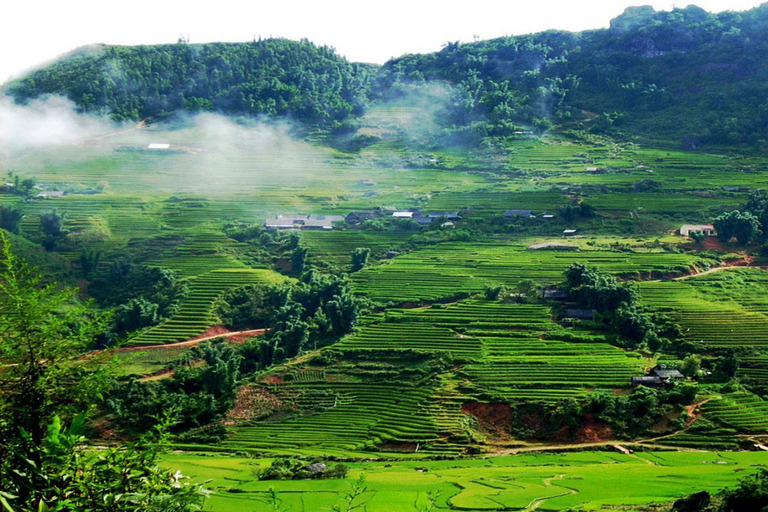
321,222
327,222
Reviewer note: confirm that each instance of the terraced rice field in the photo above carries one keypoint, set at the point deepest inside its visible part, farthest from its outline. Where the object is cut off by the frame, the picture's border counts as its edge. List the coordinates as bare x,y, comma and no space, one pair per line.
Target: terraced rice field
196,312
336,246
514,350
354,415
743,411
444,270
721,310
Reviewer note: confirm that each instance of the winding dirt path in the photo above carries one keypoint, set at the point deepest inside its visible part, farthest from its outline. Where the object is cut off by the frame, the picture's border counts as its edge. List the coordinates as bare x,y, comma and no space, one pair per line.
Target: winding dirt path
190,343
716,269
187,343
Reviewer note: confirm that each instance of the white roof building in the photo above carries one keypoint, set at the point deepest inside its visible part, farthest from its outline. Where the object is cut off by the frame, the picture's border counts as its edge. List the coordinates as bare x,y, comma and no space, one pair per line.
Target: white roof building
159,146
402,215
706,229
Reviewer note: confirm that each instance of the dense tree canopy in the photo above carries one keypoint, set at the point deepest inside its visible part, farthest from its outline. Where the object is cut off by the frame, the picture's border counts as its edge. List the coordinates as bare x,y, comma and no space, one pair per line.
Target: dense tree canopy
274,77
684,75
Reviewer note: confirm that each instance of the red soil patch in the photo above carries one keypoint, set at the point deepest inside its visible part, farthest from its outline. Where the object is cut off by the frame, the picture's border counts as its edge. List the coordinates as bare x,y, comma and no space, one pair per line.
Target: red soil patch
712,243
495,418
592,431
273,379
214,330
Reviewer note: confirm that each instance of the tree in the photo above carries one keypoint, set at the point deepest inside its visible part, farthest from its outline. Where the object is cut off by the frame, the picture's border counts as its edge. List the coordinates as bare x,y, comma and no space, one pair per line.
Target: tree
52,223
750,495
10,219
43,385
743,226
360,258
89,261
691,365
42,330
298,259
697,236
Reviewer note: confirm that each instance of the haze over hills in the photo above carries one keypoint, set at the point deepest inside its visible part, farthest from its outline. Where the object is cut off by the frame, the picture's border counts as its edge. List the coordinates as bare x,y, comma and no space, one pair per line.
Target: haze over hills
685,77
439,274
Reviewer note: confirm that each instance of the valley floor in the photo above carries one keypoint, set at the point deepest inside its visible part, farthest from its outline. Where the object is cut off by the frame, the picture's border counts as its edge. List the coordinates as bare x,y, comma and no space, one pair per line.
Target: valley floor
590,480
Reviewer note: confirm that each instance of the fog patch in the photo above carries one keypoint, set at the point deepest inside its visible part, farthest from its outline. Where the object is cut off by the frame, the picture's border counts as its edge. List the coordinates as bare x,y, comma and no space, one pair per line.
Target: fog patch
410,110
46,122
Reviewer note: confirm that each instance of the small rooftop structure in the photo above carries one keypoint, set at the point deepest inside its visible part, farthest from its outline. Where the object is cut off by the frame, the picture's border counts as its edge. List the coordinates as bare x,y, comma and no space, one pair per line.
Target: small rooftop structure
569,232
158,146
659,375
403,215
303,222
554,293
705,229
446,215
548,216
360,217
553,246
665,372
51,193
317,467
422,220
322,221
518,213
582,314
651,382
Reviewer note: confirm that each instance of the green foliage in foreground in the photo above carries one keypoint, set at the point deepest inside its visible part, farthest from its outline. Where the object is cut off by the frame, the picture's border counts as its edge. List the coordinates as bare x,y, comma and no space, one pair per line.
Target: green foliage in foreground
45,466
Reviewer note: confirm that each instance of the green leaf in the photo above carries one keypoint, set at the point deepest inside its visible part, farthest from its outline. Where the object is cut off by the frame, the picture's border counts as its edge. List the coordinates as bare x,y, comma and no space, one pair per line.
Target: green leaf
4,502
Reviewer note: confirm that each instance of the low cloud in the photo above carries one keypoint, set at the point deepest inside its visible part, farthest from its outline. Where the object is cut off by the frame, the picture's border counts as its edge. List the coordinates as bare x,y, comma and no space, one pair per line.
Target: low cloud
52,121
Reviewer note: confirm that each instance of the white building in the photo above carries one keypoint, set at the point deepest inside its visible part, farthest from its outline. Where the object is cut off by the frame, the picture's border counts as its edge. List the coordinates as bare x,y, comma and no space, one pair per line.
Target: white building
705,229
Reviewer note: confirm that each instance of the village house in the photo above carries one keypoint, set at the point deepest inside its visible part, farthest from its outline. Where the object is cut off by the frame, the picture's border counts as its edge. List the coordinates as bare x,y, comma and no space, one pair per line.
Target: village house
553,293
156,146
403,215
581,314
569,232
355,218
51,193
705,229
445,215
526,214
665,372
659,375
324,222
422,220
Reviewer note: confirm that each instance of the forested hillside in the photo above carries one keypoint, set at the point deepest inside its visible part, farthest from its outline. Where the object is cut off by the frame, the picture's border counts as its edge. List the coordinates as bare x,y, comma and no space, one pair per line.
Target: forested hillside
685,77
273,77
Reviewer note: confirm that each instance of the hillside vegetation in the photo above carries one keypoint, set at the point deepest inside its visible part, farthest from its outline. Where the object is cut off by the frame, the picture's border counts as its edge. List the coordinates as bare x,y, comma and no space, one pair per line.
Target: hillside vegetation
273,77
686,77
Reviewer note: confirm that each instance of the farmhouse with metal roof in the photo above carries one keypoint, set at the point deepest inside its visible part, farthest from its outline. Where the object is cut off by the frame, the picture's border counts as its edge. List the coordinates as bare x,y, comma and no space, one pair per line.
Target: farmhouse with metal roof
705,229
